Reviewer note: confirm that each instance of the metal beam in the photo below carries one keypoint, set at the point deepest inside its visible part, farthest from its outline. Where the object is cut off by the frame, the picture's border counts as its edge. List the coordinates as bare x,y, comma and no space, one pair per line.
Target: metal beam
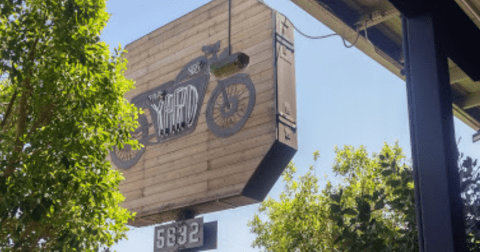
457,75
377,17
434,152
459,35
469,101
350,17
412,8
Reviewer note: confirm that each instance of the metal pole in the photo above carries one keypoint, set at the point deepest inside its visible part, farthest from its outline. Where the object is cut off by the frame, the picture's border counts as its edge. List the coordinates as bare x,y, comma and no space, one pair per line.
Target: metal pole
418,208
432,135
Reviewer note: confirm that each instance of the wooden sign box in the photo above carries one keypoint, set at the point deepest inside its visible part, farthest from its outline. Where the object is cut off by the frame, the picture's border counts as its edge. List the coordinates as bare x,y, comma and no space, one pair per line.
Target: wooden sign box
200,171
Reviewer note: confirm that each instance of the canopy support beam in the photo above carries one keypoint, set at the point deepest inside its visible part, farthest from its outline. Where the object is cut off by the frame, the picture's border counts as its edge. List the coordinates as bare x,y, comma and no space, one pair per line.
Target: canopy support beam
434,151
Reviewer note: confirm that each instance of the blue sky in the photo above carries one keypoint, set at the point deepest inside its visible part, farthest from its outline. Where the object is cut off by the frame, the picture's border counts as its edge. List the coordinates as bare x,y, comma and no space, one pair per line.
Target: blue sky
343,98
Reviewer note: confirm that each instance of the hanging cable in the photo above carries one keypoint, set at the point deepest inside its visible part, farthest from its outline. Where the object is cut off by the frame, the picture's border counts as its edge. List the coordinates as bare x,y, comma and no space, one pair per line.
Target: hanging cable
358,36
366,35
316,37
312,37
294,27
354,42
383,55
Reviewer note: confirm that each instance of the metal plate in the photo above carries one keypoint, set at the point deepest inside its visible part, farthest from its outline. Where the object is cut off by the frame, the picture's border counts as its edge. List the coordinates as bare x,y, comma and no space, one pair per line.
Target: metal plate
179,235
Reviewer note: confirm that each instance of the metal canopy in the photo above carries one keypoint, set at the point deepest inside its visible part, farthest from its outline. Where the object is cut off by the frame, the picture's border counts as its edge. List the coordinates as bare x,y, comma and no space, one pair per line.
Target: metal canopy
433,46
461,22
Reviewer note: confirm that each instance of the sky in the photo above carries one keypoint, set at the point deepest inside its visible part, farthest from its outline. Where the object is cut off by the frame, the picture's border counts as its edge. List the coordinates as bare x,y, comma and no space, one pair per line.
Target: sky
343,98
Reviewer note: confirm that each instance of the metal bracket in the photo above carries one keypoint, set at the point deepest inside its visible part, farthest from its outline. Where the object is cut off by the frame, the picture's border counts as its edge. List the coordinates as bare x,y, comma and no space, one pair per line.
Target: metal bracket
285,42
287,120
476,136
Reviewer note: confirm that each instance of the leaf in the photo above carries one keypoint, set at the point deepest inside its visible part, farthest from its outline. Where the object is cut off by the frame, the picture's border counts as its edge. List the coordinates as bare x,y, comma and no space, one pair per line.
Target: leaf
363,210
467,163
350,211
335,208
38,213
3,186
379,205
336,197
382,157
394,183
387,172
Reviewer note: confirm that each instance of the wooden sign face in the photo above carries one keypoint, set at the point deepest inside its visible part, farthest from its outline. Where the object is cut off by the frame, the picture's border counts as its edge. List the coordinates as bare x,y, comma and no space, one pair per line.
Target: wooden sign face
209,141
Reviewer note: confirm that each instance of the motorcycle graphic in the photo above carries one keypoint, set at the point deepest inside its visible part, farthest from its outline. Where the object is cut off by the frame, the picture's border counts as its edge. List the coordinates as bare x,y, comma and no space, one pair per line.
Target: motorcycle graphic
174,107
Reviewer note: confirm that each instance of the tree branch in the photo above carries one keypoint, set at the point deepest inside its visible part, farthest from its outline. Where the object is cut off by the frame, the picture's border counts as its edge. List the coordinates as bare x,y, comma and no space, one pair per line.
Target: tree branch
44,118
22,113
9,109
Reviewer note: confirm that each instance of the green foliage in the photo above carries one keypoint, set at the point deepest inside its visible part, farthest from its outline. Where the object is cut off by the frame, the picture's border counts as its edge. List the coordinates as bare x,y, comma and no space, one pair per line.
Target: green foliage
373,209
62,109
470,187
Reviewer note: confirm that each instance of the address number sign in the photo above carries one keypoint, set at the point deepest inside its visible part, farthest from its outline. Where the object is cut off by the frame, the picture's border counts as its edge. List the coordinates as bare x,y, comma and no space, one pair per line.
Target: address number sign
179,235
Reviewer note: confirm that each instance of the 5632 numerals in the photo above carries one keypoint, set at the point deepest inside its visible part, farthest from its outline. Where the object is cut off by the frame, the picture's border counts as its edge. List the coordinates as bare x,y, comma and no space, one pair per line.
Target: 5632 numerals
186,234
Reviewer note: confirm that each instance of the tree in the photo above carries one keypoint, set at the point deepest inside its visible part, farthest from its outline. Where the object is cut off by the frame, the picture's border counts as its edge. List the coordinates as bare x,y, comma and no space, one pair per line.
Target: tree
62,109
372,209
470,184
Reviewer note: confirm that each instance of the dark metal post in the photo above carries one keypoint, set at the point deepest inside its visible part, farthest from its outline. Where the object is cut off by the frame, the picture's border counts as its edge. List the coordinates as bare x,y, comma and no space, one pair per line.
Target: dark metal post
434,152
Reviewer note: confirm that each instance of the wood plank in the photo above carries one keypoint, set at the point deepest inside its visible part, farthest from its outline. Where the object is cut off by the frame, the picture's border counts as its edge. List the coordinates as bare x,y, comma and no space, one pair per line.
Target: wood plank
217,15
162,176
199,39
190,200
208,175
162,76
183,166
244,21
176,44
201,165
138,167
165,196
201,169
263,132
249,42
262,113
231,179
202,136
166,64
251,152
265,94
207,161
193,15
134,92
133,195
181,26
168,171
239,201
134,176
158,204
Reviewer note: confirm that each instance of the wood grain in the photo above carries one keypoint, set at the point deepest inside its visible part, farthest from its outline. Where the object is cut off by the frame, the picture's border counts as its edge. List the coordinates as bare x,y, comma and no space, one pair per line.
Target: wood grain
201,168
